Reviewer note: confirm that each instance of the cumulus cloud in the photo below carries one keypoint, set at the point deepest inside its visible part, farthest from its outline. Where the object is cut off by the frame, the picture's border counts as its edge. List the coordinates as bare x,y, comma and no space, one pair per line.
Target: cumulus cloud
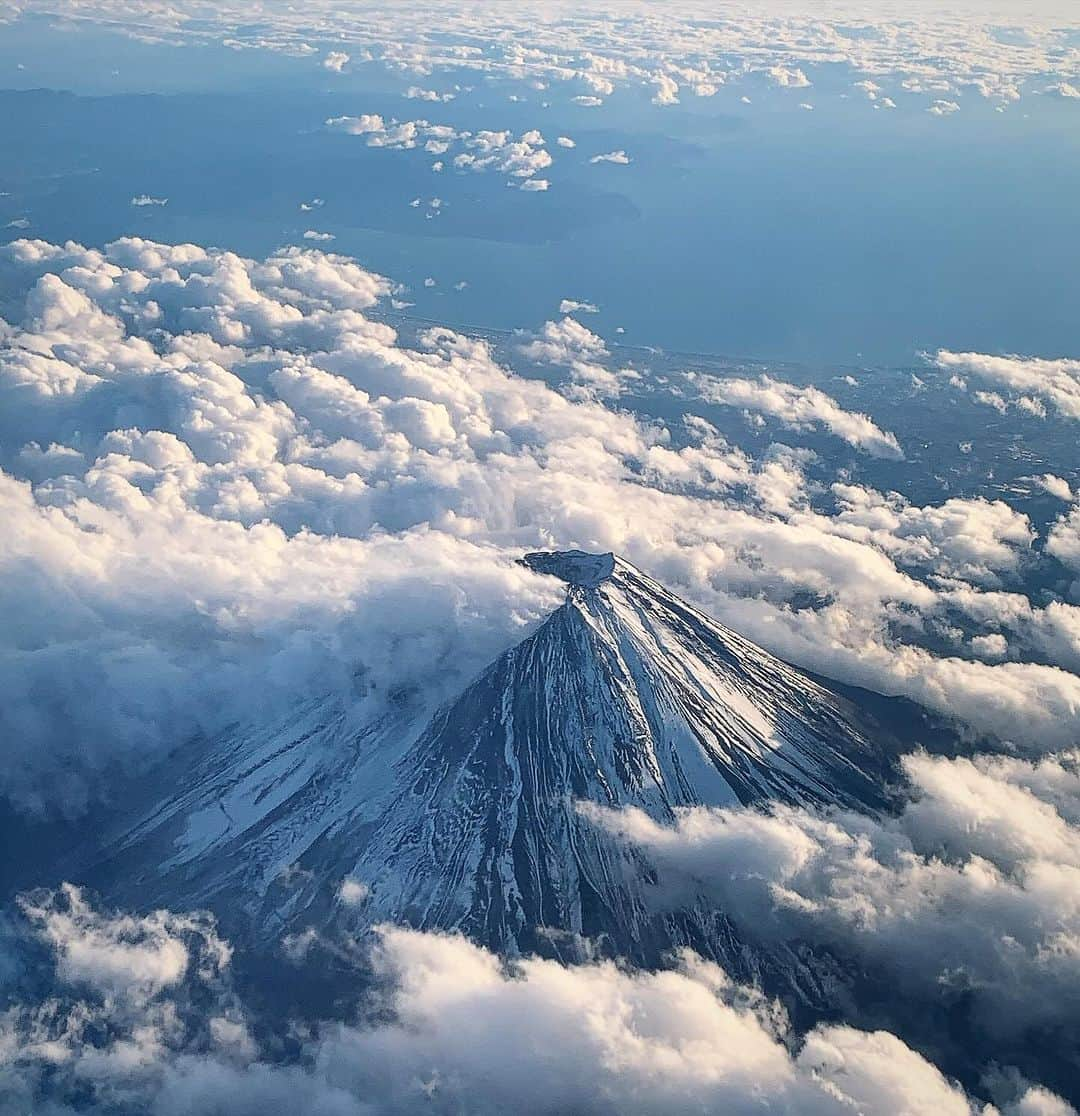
119,1000
227,488
572,306
143,200
797,407
1063,541
1056,486
500,151
787,77
967,896
455,1028
1065,90
519,156
353,892
974,539
991,399
335,60
667,90
416,93
544,1038
393,134
125,956
569,344
1056,382
992,646
942,52
619,157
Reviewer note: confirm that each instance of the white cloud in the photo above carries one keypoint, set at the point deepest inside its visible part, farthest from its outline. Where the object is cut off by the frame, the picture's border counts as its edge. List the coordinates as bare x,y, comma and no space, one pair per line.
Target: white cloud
313,234
594,1039
943,108
991,399
620,157
455,1029
124,955
1056,486
798,407
1063,541
565,141
667,90
969,894
1055,381
416,93
563,341
353,892
787,77
142,200
484,150
277,489
367,124
335,60
130,994
992,646
940,51
974,539
569,344
572,306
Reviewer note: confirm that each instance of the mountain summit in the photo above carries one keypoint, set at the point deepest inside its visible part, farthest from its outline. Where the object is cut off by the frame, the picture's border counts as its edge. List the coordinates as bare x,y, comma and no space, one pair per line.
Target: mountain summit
575,567
624,696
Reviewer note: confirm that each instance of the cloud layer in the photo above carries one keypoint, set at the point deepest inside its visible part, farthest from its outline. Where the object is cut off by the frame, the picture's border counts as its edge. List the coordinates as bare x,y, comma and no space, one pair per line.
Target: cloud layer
1031,382
228,485
799,407
138,1014
927,58
520,157
967,898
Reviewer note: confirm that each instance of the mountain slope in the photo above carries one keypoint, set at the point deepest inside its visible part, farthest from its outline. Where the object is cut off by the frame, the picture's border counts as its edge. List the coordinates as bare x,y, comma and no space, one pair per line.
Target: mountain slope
469,820
231,830
625,696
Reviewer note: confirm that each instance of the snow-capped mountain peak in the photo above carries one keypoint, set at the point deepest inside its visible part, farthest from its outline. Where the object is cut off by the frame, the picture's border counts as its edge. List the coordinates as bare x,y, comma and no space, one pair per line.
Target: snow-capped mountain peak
575,567
624,696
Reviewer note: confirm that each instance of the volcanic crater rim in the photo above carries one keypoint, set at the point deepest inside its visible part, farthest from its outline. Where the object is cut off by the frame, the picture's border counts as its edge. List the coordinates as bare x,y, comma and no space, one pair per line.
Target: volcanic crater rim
575,567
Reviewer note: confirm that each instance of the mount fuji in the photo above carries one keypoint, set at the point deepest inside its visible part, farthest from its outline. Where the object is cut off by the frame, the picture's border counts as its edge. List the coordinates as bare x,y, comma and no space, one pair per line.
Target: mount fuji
470,819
